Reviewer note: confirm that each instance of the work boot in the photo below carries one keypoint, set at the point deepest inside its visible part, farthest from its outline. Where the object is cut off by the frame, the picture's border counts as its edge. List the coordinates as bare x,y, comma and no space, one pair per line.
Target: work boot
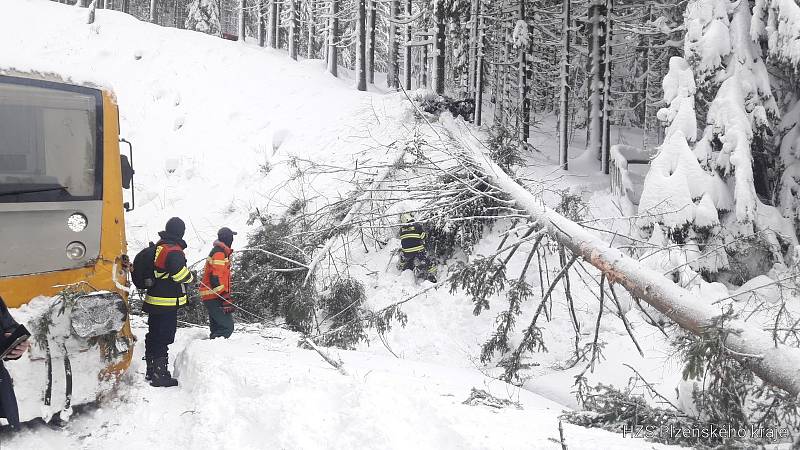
161,375
148,374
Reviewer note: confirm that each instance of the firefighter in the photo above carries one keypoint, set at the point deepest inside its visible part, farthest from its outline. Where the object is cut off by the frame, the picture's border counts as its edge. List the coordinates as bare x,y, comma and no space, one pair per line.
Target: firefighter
168,293
215,289
412,246
8,401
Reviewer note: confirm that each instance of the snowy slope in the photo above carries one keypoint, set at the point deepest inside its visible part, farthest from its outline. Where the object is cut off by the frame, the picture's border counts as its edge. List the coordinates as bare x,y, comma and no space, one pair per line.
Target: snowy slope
204,115
201,112
258,390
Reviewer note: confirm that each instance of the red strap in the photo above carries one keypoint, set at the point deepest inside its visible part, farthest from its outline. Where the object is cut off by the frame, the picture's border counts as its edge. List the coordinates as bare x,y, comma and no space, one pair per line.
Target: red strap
161,261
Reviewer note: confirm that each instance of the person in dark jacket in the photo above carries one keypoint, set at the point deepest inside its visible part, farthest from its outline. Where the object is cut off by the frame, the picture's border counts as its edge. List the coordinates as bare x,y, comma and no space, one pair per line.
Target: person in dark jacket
215,289
8,400
168,293
412,247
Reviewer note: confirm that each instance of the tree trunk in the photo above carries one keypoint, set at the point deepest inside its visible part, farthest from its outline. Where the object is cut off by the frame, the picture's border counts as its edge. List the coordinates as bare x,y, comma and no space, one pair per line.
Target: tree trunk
153,12
392,74
440,48
523,73
311,30
425,65
333,39
473,46
606,124
596,72
647,56
92,7
776,364
478,119
261,28
361,46
563,108
293,25
180,17
125,6
241,21
407,49
371,50
278,7
272,29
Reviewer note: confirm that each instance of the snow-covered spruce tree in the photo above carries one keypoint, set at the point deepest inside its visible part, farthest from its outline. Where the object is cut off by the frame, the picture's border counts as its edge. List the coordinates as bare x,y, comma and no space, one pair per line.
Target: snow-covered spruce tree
702,192
203,16
777,24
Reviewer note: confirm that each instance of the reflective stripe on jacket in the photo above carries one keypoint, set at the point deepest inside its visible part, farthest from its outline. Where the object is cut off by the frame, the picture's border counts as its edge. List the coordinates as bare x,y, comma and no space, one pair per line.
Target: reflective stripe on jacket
217,273
172,275
412,238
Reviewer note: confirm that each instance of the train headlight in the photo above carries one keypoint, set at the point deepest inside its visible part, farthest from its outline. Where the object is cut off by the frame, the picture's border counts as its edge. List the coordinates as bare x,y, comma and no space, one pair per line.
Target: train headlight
77,222
76,250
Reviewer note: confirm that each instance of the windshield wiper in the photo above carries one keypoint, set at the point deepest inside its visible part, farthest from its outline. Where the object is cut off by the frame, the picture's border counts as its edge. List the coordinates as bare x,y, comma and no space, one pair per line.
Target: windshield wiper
32,191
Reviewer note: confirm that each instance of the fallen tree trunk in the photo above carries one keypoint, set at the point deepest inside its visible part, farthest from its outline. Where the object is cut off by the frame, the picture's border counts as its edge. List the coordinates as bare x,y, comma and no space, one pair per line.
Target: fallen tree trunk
776,364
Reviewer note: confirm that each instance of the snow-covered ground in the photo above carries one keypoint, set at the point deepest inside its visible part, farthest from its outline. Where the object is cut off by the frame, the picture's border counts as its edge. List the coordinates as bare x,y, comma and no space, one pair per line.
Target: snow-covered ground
259,390
214,125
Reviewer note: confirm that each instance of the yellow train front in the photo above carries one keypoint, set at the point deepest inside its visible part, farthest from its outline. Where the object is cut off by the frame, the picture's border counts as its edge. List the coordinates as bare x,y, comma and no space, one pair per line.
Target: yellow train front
63,256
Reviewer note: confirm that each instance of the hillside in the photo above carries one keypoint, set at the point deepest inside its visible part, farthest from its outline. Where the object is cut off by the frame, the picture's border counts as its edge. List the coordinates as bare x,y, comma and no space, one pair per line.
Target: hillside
213,125
231,134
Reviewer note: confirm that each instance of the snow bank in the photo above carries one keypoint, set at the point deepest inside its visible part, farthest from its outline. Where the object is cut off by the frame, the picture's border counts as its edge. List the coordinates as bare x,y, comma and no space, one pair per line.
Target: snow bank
260,390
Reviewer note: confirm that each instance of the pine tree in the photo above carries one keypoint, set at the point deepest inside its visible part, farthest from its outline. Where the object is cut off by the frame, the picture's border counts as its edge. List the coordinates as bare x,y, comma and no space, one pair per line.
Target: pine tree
777,24
713,182
204,17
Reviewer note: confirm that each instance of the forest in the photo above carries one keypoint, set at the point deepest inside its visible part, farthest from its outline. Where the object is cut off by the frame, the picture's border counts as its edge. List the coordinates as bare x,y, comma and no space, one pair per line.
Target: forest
524,115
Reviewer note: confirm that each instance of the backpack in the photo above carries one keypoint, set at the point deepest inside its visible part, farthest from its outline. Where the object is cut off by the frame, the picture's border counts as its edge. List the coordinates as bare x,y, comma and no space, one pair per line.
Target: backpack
143,270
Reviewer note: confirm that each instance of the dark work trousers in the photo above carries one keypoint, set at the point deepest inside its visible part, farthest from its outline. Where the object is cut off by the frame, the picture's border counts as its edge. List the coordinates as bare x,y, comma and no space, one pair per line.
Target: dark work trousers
160,333
221,324
8,401
409,260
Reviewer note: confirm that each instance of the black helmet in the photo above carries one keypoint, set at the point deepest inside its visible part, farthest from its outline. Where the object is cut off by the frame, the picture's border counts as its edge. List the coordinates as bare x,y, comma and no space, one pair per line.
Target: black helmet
175,227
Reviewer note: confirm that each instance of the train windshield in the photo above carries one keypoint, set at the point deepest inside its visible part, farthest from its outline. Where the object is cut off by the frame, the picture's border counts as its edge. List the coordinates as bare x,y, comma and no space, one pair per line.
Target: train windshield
48,143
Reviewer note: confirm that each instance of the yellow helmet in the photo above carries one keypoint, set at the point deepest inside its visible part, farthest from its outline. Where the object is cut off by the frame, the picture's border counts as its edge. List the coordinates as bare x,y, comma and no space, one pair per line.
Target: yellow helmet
406,217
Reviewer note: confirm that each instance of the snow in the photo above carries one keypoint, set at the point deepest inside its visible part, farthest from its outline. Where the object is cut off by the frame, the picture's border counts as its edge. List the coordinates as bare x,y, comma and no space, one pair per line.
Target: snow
705,214
520,36
216,126
759,289
674,180
779,363
207,117
30,373
781,28
260,390
707,35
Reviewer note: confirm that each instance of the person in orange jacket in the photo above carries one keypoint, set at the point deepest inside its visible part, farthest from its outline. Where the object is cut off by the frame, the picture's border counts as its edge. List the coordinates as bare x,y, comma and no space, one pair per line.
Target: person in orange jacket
215,288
